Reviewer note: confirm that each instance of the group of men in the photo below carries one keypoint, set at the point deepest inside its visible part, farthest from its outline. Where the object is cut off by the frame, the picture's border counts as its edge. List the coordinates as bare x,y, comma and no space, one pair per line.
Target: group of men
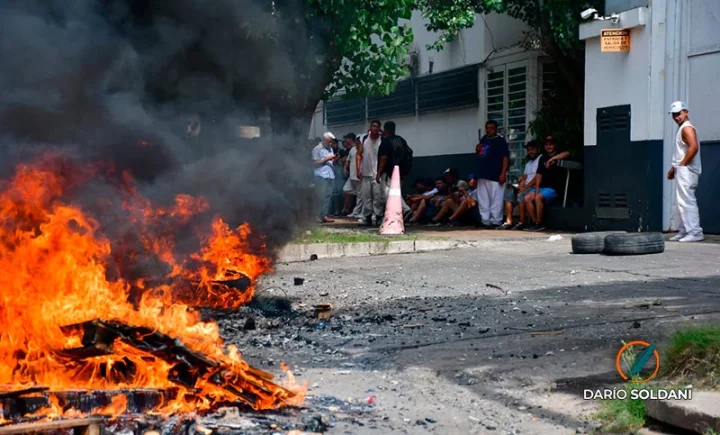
371,158
482,199
368,165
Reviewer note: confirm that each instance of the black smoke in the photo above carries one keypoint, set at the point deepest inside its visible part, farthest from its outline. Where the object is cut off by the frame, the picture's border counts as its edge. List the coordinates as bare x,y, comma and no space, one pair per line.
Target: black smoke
118,82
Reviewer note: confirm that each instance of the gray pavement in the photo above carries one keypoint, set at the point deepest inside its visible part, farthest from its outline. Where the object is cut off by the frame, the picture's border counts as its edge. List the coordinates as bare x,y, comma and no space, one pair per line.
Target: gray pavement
442,351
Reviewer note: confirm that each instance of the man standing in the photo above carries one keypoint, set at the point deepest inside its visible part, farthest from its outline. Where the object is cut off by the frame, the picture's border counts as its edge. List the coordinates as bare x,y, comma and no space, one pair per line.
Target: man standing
686,169
352,185
393,151
371,191
323,157
493,159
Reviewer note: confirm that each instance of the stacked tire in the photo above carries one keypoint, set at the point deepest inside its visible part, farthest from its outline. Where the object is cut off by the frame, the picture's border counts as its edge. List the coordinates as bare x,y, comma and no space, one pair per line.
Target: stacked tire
618,243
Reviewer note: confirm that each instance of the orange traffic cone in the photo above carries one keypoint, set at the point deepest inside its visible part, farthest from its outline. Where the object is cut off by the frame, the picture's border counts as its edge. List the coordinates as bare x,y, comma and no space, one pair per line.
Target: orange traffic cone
393,221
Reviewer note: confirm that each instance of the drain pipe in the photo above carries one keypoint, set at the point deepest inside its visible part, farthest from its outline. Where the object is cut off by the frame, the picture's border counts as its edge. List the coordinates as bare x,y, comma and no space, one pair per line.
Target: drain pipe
677,54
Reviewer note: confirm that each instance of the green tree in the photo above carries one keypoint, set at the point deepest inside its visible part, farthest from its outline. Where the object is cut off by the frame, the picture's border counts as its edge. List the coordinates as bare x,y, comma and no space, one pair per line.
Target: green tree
554,28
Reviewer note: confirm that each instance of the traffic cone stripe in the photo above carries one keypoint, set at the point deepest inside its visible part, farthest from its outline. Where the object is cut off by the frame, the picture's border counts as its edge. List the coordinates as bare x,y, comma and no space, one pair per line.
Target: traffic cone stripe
393,222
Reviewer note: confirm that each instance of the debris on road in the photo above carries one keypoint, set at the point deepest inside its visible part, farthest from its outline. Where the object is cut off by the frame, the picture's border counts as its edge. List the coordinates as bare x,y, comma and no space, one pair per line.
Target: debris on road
644,304
496,288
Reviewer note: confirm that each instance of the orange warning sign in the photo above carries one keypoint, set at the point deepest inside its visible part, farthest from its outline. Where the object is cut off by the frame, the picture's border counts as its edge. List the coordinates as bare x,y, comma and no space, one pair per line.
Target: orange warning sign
615,40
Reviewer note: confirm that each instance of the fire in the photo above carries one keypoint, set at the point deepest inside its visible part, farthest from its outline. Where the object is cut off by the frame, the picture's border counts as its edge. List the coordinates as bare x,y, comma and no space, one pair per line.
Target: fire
56,268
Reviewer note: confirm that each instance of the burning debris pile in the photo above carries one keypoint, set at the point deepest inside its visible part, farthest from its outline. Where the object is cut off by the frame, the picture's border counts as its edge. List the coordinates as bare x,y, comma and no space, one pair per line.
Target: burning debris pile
66,326
115,225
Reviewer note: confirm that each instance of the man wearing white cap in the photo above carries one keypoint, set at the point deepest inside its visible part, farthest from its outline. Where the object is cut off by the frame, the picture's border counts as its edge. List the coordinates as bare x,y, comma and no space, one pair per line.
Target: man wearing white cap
323,158
686,169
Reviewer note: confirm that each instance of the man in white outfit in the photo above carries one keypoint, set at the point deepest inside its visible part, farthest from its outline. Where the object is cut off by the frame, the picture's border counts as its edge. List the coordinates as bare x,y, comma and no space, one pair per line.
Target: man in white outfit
686,169
371,190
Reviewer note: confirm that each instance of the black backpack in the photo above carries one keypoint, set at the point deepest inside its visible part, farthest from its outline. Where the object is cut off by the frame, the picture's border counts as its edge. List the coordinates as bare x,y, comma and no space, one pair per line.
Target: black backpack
402,155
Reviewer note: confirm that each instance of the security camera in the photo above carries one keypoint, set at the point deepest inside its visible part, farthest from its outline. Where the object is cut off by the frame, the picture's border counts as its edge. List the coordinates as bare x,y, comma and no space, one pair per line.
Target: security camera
588,13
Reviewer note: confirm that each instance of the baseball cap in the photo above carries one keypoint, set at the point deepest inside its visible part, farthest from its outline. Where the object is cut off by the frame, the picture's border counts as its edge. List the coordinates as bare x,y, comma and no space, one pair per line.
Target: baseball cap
446,171
677,107
471,176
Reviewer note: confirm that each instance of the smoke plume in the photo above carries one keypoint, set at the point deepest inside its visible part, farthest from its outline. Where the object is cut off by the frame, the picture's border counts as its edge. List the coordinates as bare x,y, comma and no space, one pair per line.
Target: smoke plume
117,83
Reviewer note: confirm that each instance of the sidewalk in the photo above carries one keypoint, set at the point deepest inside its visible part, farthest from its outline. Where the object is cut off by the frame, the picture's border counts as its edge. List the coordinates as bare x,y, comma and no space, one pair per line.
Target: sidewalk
455,233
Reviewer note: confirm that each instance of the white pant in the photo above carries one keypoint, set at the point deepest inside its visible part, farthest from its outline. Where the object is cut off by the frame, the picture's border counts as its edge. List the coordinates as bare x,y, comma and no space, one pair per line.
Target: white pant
686,210
385,181
373,198
490,201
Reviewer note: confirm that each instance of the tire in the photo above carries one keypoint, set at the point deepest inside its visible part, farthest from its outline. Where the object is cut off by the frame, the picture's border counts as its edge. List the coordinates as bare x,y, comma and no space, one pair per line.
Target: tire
590,243
634,244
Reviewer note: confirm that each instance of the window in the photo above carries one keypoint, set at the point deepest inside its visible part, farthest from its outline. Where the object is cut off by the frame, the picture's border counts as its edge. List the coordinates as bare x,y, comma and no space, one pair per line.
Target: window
454,88
400,102
550,80
338,111
506,100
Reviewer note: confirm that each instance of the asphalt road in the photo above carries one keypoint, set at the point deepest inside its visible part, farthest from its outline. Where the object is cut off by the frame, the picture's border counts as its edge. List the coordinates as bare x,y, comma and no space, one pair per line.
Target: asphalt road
442,352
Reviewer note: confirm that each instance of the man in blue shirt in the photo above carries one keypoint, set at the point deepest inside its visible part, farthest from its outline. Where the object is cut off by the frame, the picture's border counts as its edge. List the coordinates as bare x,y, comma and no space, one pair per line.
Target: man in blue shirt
323,158
493,159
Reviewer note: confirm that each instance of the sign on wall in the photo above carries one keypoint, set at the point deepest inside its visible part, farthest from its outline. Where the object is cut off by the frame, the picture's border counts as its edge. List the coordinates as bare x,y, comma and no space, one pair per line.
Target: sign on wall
615,40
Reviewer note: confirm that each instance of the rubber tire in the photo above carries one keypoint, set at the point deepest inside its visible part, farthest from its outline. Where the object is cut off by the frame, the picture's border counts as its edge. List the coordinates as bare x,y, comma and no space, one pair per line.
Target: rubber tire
590,243
634,244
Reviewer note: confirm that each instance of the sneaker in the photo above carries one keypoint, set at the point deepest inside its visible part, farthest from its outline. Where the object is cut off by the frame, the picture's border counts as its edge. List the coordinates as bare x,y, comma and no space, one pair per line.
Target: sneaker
504,226
518,226
537,227
365,223
677,237
490,226
690,238
433,224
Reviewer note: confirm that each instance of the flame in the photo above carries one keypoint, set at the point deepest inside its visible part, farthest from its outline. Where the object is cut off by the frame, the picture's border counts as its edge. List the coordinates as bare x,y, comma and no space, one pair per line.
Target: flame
56,262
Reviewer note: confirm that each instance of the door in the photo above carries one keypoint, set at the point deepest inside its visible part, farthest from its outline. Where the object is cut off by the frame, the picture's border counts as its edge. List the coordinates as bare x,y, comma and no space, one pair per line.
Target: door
506,99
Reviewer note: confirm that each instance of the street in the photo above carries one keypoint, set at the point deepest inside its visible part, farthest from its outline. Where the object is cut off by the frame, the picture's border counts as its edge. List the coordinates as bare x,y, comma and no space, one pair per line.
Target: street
440,347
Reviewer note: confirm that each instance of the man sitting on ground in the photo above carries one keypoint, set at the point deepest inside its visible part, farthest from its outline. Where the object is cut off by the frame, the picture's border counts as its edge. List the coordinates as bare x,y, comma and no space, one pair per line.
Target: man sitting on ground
426,190
452,206
549,183
468,204
428,208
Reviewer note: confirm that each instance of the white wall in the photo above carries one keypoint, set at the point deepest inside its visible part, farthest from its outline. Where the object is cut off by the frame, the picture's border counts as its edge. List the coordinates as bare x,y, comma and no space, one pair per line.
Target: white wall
432,134
704,67
615,79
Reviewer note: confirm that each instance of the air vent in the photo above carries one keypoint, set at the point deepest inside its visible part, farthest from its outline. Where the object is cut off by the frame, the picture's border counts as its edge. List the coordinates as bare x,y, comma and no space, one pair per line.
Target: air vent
622,121
604,200
621,200
604,122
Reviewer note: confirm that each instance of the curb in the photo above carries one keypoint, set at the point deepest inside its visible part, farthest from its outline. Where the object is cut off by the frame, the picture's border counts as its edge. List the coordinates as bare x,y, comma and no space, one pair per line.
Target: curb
299,253
697,416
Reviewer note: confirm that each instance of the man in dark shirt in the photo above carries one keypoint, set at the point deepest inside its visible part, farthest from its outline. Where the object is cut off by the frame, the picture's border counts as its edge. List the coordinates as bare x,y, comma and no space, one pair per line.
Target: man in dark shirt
549,182
493,159
386,160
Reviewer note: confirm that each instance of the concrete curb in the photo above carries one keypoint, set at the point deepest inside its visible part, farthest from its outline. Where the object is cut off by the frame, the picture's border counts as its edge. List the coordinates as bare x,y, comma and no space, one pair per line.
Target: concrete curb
698,415
298,253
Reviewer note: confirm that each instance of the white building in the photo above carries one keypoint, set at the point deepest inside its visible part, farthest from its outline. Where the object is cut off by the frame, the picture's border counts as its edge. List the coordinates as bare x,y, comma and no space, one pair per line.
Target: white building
629,136
483,74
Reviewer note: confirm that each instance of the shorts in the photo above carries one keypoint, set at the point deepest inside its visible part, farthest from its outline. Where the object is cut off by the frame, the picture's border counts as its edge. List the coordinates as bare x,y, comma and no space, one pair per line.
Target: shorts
351,187
509,195
548,193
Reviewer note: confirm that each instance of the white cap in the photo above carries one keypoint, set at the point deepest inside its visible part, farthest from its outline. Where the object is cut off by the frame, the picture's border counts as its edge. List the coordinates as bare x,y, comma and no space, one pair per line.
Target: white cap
329,136
677,107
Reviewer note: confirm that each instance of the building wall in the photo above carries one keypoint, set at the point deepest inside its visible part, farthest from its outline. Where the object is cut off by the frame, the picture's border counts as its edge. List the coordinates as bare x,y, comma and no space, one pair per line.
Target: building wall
446,138
675,55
